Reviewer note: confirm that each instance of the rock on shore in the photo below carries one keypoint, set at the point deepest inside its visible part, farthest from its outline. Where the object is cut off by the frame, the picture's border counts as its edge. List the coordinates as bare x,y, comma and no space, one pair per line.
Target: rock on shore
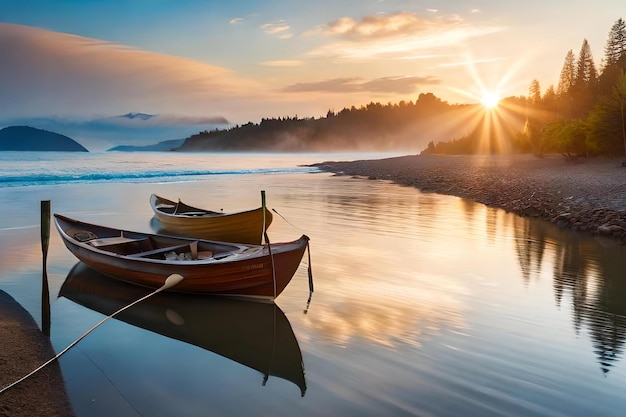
588,196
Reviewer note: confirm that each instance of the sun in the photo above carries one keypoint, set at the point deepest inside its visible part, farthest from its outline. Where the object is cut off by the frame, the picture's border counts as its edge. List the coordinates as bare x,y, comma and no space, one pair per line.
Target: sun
490,100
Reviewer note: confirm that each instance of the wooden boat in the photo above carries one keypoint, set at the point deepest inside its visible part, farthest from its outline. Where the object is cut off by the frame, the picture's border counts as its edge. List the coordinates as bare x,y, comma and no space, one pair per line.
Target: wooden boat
185,220
206,266
256,335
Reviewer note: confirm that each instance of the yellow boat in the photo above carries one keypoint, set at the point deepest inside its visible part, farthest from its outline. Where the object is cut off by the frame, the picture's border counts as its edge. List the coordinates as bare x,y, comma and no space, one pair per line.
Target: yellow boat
185,220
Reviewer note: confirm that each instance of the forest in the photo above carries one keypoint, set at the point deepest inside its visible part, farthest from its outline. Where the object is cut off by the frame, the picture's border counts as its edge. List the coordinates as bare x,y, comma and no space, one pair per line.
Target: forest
584,115
406,125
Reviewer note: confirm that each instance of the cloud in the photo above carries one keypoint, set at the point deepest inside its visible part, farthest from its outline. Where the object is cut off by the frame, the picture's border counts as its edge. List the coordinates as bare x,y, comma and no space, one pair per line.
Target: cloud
385,26
236,20
143,120
43,72
399,85
392,36
171,119
282,63
279,28
469,62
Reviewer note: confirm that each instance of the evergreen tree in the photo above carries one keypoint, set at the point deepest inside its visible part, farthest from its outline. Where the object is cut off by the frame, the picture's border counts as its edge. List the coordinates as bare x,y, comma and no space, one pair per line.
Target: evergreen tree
585,85
564,88
568,72
607,121
615,48
618,97
586,73
534,92
550,101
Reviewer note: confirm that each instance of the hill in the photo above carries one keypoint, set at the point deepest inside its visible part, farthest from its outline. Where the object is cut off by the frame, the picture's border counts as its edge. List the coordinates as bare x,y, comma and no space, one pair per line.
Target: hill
25,138
166,145
406,126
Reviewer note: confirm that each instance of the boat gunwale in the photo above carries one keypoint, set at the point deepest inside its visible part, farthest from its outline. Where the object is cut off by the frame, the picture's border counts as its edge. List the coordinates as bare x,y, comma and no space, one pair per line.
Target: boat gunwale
208,214
241,252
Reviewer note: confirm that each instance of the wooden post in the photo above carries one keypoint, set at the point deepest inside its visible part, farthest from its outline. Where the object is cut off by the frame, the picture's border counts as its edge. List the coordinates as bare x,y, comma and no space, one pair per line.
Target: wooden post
45,292
267,241
263,235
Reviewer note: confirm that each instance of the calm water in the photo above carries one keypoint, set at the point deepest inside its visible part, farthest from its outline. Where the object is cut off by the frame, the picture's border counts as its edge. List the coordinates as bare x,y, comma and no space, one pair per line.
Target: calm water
424,305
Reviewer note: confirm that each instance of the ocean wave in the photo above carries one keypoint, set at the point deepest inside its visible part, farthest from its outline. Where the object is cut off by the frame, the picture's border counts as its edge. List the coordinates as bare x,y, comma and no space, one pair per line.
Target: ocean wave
174,175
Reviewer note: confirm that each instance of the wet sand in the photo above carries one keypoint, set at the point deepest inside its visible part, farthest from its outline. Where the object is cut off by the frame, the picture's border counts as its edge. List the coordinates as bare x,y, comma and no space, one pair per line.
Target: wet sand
24,348
587,196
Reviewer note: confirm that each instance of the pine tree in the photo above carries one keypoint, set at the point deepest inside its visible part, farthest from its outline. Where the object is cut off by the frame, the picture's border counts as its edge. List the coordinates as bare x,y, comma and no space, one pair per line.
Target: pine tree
586,73
568,72
534,92
615,48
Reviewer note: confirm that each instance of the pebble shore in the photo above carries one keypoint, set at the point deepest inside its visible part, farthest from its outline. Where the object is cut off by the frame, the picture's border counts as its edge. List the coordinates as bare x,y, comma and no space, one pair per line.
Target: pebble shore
588,196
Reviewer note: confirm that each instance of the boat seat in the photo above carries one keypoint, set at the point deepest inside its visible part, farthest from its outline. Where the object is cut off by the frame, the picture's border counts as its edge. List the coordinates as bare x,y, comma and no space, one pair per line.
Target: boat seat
115,240
193,213
81,235
157,251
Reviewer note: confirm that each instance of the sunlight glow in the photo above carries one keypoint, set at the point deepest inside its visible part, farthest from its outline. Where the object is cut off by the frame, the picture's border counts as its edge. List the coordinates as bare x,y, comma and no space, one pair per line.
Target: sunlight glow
490,100
493,122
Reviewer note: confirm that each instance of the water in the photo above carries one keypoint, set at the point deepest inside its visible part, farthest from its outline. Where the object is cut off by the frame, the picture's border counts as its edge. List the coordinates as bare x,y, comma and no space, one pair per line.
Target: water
424,305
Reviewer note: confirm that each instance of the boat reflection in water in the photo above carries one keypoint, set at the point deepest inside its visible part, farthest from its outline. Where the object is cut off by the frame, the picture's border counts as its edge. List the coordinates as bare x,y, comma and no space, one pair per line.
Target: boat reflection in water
255,334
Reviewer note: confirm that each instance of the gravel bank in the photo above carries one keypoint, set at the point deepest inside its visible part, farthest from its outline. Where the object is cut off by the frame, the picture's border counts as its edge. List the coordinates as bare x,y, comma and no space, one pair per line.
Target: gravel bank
588,196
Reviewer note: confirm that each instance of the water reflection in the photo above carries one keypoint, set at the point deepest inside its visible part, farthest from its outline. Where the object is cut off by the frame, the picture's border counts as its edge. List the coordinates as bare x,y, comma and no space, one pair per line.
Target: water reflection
591,275
255,334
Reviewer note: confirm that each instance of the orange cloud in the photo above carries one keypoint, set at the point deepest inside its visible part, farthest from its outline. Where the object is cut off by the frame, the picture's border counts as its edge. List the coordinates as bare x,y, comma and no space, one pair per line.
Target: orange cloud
393,36
283,63
399,85
44,71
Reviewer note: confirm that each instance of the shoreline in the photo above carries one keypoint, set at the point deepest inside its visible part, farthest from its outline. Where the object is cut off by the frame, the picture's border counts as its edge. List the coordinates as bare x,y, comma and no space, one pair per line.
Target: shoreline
588,196
24,348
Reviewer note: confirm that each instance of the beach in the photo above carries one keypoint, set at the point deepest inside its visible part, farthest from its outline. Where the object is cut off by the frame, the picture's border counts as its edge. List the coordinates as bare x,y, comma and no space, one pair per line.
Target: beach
24,348
587,196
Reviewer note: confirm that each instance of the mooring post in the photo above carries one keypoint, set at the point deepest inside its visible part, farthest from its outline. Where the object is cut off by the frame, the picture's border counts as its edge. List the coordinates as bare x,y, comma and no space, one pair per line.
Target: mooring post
45,242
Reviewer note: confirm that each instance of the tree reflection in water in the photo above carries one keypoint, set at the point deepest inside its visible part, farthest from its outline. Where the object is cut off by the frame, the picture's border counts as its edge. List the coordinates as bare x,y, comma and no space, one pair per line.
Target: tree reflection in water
592,270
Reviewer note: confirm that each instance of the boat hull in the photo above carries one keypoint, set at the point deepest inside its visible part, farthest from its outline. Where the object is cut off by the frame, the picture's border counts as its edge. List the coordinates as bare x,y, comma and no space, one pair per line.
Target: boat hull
249,271
243,227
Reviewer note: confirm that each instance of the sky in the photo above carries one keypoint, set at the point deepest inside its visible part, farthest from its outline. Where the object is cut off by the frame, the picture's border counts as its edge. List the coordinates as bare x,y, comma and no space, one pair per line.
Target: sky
246,60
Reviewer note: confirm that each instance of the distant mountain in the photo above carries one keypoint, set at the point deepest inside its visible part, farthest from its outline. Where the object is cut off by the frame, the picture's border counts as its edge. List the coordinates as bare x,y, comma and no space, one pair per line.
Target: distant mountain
134,129
141,116
166,145
25,138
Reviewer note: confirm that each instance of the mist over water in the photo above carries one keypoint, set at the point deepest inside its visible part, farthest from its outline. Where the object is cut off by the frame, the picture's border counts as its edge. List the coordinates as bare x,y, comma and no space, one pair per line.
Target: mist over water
423,304
18,169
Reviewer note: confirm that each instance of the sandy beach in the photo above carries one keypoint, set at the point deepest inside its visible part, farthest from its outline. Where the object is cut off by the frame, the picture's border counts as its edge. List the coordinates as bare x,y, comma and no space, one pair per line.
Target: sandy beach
588,196
24,348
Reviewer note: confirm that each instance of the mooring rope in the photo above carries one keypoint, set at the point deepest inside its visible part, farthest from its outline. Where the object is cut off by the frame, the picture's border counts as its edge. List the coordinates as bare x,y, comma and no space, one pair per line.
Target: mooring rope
170,281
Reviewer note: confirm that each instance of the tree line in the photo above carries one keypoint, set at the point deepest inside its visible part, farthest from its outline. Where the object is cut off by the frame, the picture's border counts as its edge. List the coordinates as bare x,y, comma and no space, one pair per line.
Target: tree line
406,125
585,114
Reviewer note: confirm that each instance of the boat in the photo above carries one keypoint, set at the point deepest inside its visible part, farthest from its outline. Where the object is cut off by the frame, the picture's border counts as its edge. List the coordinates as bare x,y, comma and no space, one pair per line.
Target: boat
256,335
185,220
207,267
